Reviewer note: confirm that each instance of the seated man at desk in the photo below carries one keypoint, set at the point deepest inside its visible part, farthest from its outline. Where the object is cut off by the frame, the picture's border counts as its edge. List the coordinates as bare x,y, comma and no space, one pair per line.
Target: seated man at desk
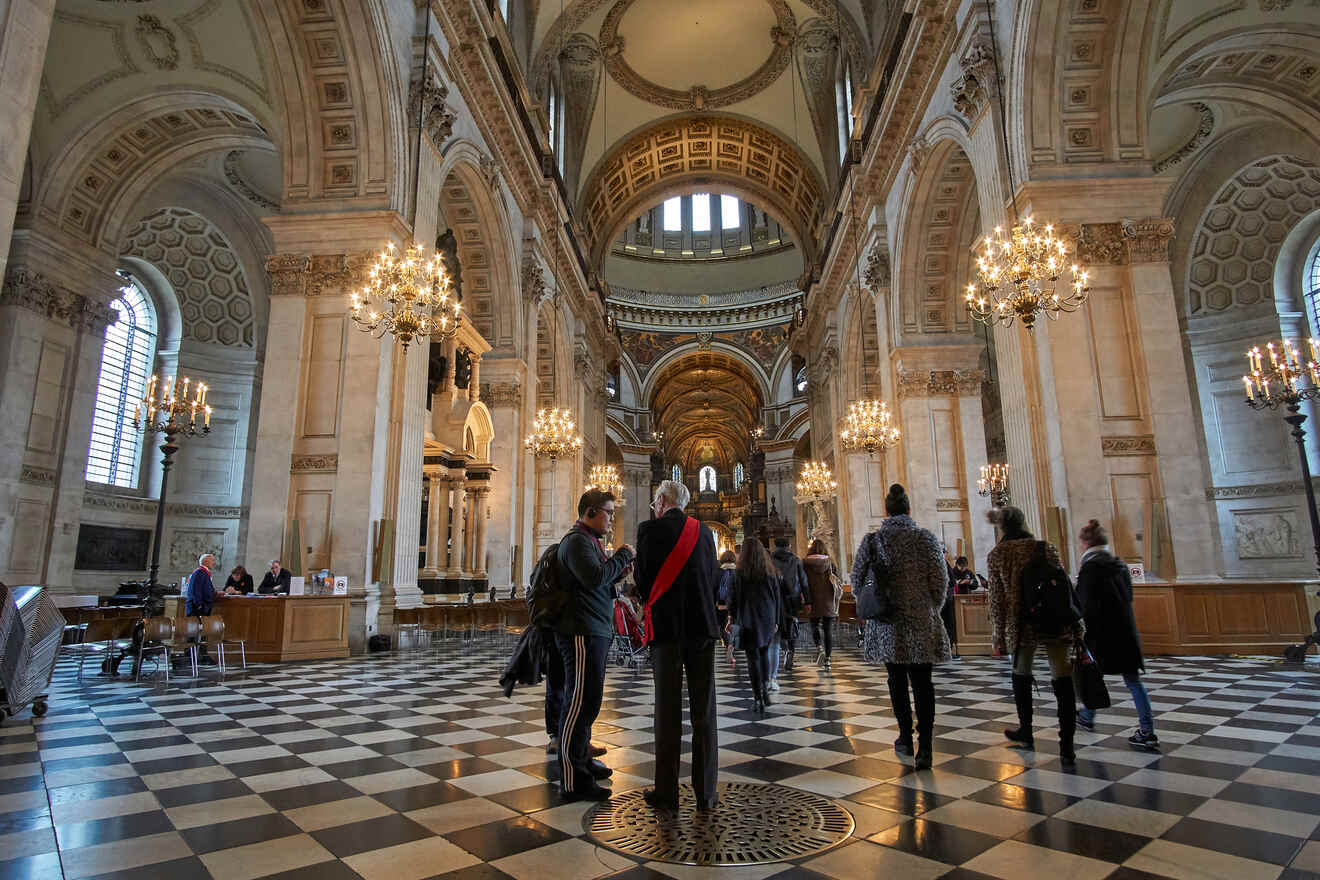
275,581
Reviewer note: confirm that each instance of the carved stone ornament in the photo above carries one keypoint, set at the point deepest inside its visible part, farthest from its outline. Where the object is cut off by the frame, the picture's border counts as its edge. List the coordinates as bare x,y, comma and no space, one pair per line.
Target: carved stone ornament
314,464
1148,239
490,171
1102,244
877,273
1205,125
497,394
37,476
950,503
976,87
1138,445
534,288
428,103
31,291
241,186
826,360
704,339
939,383
157,41
917,152
119,503
1274,5
334,274
698,96
1259,490
288,274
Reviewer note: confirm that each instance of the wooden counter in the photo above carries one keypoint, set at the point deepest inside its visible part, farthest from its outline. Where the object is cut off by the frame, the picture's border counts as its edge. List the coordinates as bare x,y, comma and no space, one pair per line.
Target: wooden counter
282,628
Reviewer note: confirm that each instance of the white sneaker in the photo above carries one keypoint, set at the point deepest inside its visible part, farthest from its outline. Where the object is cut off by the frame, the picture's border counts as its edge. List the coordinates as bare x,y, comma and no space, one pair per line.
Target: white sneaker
769,700
772,687
820,657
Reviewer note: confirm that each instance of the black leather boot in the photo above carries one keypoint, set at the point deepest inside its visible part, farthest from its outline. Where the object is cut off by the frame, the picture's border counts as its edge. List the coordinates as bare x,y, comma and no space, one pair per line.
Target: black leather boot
1067,699
1021,736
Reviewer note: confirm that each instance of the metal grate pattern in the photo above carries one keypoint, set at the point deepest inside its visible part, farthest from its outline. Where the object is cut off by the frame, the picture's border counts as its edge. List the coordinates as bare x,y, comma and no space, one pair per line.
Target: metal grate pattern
753,824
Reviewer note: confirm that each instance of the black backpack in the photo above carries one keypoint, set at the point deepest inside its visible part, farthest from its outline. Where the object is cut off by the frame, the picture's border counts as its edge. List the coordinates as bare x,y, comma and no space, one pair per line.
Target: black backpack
1049,606
547,596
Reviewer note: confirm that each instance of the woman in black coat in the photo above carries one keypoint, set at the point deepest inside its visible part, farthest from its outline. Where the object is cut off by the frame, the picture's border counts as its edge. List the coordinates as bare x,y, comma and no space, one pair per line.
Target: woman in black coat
1104,592
756,604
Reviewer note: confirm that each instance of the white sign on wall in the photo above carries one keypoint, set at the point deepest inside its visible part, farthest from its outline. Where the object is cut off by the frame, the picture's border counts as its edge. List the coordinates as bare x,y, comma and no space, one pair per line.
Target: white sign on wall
341,585
1137,570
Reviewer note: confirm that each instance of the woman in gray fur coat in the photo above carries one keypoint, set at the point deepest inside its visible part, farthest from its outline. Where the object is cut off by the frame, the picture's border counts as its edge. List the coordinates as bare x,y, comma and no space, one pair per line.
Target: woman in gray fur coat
907,564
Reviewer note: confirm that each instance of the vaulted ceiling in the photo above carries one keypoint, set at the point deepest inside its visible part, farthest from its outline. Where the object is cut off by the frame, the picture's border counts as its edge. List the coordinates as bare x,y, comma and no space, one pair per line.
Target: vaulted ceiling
706,403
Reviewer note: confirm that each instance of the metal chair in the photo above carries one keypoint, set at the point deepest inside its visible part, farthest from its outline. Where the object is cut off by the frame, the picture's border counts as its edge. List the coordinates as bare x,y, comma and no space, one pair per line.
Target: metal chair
460,619
408,621
215,633
488,618
433,619
101,637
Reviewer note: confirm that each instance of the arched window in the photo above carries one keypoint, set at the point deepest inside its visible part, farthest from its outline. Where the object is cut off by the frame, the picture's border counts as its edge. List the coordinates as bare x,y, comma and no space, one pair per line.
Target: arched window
738,473
676,474
1311,281
706,479
130,343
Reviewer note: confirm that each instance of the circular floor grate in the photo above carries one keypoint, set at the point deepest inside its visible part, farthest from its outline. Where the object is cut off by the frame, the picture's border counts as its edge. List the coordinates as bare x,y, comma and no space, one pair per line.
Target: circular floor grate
753,824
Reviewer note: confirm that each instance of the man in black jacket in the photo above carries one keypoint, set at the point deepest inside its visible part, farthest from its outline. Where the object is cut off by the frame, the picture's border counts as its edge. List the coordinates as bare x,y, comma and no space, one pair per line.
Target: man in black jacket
276,580
583,634
794,577
685,628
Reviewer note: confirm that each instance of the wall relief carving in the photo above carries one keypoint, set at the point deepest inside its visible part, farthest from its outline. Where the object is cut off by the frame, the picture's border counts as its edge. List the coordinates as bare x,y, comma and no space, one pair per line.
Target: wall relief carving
314,464
976,87
158,42
1268,534
1148,239
30,290
950,504
241,186
939,383
187,546
36,476
877,273
1136,445
1205,125
427,102
495,394
1102,244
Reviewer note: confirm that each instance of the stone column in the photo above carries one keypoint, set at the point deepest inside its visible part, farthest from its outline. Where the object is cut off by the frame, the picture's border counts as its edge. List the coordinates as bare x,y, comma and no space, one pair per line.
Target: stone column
457,521
780,480
1173,412
636,475
547,524
26,31
479,494
508,502
403,475
442,519
474,382
433,533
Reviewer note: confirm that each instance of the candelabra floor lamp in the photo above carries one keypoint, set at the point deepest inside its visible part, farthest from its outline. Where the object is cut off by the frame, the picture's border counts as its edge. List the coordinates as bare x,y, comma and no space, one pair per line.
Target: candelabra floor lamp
173,415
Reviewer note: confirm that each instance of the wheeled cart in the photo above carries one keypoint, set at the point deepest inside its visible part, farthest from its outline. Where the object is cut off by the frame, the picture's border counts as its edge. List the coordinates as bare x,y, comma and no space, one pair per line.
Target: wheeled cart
31,629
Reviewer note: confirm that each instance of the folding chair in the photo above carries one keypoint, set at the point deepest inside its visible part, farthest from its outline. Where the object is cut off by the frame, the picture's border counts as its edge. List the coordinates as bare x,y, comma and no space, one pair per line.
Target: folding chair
101,637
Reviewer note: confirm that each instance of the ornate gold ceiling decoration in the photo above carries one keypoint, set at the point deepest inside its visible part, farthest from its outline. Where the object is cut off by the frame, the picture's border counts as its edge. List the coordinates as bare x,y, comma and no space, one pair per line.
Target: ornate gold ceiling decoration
699,96
706,399
704,149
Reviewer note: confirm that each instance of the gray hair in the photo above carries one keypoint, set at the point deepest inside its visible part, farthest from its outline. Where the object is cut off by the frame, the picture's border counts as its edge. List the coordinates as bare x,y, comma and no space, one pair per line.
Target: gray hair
677,493
205,556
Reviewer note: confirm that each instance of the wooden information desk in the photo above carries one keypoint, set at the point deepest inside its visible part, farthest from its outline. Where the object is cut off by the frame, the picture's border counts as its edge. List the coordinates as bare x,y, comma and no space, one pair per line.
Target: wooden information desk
281,628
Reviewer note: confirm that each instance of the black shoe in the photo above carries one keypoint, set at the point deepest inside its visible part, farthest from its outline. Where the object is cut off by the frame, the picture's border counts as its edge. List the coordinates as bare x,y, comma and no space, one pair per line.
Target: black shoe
1066,697
600,771
1020,739
1144,739
594,751
707,806
925,757
591,793
903,745
552,747
654,801
1083,721
758,706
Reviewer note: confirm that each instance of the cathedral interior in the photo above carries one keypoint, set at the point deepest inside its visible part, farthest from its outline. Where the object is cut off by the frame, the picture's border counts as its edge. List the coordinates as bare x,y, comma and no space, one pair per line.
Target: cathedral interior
1062,255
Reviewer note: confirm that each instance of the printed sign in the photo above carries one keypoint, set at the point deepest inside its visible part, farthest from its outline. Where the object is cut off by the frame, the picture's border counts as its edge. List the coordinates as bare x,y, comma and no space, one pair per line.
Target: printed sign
1138,572
341,585
297,586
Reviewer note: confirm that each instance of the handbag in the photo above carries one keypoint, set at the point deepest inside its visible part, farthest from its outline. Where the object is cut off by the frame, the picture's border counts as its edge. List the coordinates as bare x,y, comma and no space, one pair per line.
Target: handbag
873,601
1088,681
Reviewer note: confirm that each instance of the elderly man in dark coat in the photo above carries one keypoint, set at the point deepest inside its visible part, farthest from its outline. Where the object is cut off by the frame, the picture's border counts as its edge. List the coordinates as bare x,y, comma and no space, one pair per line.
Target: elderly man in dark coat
683,630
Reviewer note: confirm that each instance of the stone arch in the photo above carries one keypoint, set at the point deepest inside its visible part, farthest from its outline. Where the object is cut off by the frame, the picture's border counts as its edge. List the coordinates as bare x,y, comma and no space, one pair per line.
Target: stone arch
940,223
486,247
695,153
706,402
654,370
1074,106
93,184
203,271
478,431
1235,245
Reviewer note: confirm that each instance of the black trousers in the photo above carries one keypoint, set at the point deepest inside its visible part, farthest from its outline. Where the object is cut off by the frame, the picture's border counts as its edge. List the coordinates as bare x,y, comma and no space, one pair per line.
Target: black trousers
923,690
670,660
758,669
554,683
584,683
822,630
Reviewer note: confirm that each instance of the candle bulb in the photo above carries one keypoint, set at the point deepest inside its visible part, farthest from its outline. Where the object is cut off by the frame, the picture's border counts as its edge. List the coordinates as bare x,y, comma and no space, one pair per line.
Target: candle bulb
1247,382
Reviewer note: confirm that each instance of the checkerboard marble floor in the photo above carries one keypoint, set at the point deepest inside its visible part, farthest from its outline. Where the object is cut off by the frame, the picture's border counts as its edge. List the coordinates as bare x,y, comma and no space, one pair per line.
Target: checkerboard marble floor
415,765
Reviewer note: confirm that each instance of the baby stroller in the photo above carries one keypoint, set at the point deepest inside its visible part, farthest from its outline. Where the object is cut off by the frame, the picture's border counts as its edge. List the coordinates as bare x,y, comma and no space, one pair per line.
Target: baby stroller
628,647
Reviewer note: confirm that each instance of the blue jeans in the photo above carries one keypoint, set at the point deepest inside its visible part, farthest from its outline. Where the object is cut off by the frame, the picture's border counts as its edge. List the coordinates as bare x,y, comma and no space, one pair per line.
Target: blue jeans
1145,719
773,659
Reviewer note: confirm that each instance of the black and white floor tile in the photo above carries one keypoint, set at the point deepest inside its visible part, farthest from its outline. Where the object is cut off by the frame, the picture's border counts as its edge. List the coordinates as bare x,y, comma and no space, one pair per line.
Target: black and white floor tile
414,765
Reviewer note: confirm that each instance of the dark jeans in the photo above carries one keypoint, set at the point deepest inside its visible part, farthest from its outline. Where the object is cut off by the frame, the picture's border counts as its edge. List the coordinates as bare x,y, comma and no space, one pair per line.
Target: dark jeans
923,690
554,683
584,682
758,670
822,630
670,660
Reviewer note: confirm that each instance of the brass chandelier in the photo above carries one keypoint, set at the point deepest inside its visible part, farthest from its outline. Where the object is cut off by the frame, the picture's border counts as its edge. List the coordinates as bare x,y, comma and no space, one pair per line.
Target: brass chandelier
554,434
1018,276
408,295
1018,273
605,477
868,426
815,483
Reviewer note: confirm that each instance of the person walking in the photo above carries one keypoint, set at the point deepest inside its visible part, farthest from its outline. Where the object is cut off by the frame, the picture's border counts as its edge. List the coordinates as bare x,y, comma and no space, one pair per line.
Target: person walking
676,578
1104,594
1019,562
583,633
756,605
948,614
794,577
728,563
823,594
908,566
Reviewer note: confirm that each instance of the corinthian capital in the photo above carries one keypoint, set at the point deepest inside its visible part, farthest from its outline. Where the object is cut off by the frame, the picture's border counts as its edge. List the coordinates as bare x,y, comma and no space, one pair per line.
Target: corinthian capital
1148,239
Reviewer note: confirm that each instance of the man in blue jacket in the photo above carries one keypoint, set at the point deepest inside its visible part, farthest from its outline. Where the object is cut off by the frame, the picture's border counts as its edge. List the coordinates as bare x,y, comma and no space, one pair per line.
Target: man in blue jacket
201,597
583,634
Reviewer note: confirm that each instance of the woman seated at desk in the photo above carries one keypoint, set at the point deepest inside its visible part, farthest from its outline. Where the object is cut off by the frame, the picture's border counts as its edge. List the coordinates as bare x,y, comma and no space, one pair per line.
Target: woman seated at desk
275,581
239,582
